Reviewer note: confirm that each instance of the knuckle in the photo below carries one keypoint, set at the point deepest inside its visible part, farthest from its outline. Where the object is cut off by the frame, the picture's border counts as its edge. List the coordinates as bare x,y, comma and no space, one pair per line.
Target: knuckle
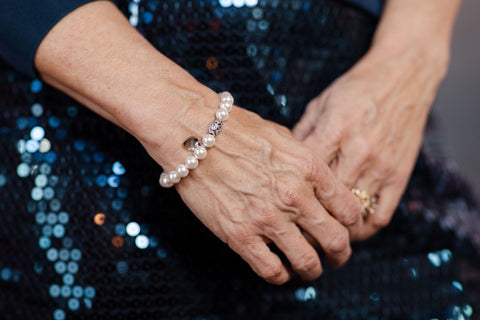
282,130
313,167
239,233
351,217
290,195
307,263
364,152
267,217
339,243
271,273
383,167
353,211
337,131
381,220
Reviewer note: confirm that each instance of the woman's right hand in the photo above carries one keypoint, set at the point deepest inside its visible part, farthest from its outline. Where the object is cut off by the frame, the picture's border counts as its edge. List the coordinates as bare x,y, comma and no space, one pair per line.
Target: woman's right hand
258,184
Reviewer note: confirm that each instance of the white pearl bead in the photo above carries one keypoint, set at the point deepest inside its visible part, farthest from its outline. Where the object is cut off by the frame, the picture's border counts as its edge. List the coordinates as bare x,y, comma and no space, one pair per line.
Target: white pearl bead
222,114
173,176
191,162
182,170
165,180
208,140
200,153
226,97
226,106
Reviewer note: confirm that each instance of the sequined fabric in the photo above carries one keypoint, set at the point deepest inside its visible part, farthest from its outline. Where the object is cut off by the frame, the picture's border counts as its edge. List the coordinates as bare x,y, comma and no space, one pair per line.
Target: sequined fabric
87,233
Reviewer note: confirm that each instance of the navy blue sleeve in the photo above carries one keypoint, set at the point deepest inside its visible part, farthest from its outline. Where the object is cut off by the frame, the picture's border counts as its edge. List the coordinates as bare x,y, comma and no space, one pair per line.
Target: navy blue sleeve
23,25
372,6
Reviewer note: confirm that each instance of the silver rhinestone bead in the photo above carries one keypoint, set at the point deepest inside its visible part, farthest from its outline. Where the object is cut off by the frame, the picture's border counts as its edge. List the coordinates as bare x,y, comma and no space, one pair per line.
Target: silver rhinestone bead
215,127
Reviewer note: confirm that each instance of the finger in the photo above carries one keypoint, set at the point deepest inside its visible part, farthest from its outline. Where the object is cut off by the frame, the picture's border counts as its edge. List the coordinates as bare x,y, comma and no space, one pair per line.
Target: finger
324,147
332,237
387,202
306,123
371,181
348,167
367,183
325,138
302,256
335,197
261,259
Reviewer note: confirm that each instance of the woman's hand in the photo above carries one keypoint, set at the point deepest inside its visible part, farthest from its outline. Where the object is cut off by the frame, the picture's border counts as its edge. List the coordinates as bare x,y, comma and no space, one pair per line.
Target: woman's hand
368,126
258,185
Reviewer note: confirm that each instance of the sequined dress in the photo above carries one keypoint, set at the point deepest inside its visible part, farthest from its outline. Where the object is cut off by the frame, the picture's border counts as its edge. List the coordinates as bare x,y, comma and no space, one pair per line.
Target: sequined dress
87,233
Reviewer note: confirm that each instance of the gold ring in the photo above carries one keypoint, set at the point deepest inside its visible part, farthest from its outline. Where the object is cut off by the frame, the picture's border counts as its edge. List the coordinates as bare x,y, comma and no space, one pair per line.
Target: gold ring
369,202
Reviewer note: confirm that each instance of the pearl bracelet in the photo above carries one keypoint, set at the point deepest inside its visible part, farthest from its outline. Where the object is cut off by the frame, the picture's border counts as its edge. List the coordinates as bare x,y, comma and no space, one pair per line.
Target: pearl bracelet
199,148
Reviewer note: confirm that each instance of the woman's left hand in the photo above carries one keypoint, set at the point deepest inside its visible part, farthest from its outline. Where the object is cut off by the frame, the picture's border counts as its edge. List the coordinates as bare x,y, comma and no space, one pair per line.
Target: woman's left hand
368,126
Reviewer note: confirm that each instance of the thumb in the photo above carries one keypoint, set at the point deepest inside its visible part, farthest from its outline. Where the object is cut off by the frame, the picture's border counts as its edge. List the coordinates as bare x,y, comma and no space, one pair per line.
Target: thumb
306,124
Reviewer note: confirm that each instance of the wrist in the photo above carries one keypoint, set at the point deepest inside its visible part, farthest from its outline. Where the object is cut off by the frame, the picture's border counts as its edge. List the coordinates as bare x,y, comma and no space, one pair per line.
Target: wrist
421,29
423,58
171,114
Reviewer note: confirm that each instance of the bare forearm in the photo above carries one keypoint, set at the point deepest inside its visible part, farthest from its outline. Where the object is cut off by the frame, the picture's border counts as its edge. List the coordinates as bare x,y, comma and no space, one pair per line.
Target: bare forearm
425,26
95,56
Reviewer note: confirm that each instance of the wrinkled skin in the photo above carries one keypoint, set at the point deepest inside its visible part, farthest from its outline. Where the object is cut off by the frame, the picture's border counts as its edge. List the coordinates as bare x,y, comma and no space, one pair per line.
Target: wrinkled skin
260,185
368,127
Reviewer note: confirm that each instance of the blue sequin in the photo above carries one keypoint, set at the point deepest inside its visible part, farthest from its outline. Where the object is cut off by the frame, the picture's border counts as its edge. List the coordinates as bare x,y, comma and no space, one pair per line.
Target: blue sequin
52,254
54,122
118,168
68,279
36,86
59,314
77,292
120,229
457,285
66,291
59,231
72,267
101,180
147,17
37,133
44,243
54,290
50,157
63,217
73,304
113,181
89,292
5,274
60,267
47,230
64,254
75,254
40,218
79,145
98,157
